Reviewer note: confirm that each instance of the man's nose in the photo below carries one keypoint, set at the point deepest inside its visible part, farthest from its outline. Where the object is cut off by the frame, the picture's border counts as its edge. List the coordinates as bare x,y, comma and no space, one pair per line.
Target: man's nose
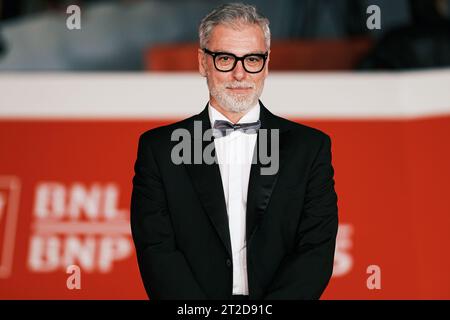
239,71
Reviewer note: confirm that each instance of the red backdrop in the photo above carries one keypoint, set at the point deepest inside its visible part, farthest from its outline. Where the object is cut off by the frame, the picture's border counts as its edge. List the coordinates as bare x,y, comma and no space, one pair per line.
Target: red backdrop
66,171
391,176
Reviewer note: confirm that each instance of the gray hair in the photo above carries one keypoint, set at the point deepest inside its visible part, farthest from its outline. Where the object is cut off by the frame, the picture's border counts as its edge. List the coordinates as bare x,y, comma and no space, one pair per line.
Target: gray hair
232,14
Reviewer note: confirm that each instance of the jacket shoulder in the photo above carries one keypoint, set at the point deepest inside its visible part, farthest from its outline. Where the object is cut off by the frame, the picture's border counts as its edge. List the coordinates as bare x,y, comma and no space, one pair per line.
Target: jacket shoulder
303,131
164,133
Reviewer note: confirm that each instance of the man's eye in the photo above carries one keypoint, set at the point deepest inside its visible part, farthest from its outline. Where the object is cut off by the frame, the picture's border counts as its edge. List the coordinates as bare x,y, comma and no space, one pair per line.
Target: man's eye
224,58
253,59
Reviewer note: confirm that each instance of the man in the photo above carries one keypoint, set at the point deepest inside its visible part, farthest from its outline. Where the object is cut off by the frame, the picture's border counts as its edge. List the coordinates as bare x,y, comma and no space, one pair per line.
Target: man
227,229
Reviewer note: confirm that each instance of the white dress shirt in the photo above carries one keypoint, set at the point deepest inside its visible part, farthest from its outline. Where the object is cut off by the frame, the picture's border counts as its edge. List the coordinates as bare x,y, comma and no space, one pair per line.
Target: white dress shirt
234,154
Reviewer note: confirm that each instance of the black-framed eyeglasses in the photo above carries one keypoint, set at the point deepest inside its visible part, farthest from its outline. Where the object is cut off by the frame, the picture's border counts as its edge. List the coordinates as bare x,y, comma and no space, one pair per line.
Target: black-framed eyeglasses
225,61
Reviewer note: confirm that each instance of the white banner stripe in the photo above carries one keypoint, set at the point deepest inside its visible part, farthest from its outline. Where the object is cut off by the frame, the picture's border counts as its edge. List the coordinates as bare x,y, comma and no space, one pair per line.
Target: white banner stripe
169,95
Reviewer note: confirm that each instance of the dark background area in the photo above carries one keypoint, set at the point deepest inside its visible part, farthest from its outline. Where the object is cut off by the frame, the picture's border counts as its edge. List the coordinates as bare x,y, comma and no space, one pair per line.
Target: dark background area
119,35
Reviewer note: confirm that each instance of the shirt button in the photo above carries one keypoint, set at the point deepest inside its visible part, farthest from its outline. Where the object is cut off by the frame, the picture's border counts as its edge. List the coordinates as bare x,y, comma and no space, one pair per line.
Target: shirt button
229,263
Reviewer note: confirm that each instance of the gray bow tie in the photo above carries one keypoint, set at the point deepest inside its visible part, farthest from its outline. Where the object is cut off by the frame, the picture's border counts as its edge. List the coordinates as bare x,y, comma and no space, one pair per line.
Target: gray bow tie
223,127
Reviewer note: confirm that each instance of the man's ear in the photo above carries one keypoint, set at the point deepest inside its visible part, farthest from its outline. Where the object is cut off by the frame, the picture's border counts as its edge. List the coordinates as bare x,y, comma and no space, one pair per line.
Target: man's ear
201,62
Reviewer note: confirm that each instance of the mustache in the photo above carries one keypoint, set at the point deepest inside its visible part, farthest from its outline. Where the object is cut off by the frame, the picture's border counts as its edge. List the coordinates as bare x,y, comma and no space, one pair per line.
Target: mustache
240,85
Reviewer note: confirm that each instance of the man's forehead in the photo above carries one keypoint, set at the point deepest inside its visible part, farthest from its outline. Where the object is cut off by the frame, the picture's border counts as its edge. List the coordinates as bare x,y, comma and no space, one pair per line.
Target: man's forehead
240,39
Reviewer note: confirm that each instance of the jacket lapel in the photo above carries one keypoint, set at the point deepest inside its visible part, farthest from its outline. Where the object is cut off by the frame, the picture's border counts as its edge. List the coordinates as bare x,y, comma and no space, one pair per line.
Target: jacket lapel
260,186
208,184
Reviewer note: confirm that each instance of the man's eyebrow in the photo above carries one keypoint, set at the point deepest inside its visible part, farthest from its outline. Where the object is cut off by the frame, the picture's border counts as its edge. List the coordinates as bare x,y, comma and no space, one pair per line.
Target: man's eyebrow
252,52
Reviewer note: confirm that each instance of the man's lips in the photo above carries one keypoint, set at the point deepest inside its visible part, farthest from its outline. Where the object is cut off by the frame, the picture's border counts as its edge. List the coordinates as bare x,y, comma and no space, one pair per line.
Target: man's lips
239,89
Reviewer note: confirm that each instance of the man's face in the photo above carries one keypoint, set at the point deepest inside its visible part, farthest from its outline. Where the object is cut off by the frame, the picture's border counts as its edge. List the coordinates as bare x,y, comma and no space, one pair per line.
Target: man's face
236,90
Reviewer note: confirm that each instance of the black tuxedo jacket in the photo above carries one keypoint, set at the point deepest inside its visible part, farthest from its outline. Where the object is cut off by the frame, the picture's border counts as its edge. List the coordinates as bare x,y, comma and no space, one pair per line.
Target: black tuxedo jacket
180,226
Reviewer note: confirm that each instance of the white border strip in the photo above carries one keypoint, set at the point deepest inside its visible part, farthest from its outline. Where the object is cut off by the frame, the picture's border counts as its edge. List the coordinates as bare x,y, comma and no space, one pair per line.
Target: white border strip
168,95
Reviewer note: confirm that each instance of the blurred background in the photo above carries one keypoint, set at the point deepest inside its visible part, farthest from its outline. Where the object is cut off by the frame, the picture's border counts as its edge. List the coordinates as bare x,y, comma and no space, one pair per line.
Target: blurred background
142,35
73,103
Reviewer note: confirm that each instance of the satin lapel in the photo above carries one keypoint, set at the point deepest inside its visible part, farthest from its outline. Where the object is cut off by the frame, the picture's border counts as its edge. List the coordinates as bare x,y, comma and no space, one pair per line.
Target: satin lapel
260,186
208,184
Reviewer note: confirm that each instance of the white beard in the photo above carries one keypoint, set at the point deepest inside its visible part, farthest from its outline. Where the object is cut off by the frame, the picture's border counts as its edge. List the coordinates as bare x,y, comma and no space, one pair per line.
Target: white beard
238,103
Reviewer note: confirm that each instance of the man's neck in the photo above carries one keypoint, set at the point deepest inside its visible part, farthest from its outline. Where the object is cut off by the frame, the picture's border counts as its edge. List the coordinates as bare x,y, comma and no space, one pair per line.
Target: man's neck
234,117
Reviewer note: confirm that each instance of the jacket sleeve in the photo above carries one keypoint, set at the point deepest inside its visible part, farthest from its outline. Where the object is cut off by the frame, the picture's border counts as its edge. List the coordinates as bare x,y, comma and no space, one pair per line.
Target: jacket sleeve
305,273
165,271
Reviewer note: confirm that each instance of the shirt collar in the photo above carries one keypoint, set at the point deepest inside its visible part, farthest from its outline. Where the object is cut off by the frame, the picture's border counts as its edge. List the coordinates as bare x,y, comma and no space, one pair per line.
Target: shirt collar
252,114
